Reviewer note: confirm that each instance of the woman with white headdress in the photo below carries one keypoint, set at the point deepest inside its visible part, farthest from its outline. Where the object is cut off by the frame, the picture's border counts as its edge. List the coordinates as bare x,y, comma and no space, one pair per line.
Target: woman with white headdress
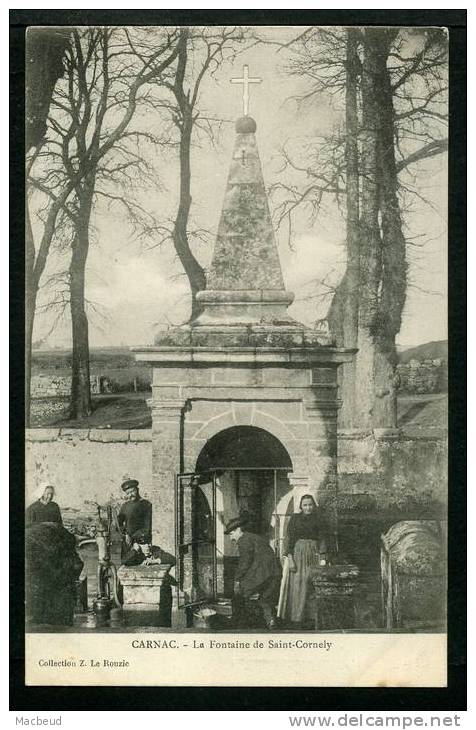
44,509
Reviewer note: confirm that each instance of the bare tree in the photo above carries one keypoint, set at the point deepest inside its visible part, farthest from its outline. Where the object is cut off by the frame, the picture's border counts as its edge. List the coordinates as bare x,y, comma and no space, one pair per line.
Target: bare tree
392,83
108,75
201,51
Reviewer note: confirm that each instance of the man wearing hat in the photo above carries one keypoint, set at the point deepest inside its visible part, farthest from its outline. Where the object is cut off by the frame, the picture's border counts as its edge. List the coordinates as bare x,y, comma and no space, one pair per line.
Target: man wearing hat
143,553
258,571
135,516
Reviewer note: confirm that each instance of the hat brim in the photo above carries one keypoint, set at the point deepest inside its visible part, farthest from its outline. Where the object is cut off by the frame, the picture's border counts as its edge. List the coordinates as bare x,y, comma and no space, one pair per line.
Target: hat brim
233,527
130,483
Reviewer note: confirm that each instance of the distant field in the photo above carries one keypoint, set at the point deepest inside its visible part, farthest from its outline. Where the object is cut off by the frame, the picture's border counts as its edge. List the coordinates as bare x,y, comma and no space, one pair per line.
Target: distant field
109,411
130,410
423,410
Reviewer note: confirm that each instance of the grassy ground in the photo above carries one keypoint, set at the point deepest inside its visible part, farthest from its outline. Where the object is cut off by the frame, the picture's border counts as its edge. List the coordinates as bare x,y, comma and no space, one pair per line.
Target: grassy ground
130,410
127,410
423,410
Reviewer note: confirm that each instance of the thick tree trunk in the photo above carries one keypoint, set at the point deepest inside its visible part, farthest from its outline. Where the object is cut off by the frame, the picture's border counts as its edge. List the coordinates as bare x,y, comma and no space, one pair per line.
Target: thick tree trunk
394,265
80,402
370,250
344,313
382,261
45,50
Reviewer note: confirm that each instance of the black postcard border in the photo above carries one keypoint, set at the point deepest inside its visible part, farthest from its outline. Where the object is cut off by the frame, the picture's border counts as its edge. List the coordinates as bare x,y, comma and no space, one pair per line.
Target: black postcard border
453,697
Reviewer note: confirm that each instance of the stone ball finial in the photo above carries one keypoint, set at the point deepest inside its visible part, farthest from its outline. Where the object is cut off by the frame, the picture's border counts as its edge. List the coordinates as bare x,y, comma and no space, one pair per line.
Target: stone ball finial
245,125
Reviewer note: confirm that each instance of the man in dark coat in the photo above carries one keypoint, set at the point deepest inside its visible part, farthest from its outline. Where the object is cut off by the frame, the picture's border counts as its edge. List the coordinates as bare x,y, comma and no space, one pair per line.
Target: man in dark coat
258,572
135,516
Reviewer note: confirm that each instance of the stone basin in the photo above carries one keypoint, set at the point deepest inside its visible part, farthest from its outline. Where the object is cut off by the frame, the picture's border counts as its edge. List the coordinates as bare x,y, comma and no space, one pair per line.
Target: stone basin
146,594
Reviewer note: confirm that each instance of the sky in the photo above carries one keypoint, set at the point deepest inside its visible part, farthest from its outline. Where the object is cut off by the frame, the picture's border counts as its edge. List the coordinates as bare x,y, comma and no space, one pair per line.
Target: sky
135,289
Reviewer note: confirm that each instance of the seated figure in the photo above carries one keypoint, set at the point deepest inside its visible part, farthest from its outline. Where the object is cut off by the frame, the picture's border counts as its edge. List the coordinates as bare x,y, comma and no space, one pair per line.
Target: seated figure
143,553
52,568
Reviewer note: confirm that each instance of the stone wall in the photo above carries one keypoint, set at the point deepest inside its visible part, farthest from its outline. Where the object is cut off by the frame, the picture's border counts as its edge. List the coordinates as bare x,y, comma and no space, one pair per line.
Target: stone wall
404,473
394,478
46,385
87,464
50,385
383,480
423,376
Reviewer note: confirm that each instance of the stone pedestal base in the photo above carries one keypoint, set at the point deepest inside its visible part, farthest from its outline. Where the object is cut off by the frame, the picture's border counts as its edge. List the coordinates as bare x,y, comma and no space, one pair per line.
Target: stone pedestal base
335,587
147,595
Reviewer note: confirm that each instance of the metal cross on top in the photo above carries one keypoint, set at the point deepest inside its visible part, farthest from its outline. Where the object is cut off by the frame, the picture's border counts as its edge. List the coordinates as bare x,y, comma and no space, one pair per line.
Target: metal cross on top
246,81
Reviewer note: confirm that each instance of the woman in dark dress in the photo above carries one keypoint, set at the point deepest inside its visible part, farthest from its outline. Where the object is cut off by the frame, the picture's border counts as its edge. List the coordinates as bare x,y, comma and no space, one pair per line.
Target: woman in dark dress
305,548
44,509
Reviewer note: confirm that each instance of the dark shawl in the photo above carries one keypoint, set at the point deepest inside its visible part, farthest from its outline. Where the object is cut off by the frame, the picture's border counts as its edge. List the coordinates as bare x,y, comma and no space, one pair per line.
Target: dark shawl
306,527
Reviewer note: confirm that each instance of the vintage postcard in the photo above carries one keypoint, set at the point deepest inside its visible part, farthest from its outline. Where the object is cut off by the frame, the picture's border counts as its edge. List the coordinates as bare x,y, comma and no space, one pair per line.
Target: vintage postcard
236,355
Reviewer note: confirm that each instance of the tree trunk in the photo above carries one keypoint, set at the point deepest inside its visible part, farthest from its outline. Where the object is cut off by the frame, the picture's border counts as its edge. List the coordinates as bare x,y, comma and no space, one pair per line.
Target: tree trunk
344,313
31,290
394,265
45,50
370,250
35,263
30,304
382,260
80,402
193,270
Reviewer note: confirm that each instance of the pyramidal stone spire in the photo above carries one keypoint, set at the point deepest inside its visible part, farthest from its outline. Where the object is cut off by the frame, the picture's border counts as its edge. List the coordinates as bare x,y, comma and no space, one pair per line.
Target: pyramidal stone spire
245,282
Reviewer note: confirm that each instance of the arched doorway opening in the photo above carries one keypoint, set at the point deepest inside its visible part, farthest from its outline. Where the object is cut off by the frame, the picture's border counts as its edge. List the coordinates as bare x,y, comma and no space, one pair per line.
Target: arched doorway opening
251,466
241,471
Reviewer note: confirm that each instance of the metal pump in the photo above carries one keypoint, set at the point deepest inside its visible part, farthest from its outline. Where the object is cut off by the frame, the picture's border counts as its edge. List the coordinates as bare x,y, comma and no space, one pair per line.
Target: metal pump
106,572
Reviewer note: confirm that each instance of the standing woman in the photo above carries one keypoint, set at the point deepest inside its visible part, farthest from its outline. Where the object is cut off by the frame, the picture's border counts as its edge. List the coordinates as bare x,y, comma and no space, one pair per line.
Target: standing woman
44,509
305,548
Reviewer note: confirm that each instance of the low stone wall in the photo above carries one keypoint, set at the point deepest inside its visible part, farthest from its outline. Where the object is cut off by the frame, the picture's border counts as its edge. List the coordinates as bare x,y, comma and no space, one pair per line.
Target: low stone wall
55,386
43,386
405,472
383,480
426,376
87,464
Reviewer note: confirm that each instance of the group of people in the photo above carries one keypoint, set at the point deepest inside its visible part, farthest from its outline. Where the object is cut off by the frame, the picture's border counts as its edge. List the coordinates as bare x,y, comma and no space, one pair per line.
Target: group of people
53,565
134,520
259,576
280,590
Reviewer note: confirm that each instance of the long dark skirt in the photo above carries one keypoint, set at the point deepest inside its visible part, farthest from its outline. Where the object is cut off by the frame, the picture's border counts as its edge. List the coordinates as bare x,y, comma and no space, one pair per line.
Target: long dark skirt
295,587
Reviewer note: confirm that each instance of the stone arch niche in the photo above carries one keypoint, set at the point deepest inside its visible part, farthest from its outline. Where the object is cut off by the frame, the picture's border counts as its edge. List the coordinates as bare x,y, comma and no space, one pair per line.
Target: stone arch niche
250,467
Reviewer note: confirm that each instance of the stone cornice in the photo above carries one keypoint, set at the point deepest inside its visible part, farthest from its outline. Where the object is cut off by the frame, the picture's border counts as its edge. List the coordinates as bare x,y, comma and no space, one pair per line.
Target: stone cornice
291,356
